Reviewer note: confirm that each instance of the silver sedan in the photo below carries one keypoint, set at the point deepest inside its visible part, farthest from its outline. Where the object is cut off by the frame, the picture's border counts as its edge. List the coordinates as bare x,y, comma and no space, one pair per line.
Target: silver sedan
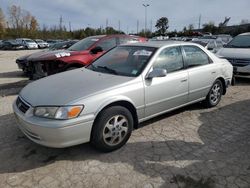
104,102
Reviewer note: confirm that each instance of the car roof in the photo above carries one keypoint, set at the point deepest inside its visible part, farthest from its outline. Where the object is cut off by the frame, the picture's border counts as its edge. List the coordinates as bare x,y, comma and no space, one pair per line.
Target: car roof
158,44
248,33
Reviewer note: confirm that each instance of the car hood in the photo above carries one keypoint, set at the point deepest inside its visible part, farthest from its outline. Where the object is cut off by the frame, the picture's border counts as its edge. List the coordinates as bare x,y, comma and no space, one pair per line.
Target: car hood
53,55
237,53
66,87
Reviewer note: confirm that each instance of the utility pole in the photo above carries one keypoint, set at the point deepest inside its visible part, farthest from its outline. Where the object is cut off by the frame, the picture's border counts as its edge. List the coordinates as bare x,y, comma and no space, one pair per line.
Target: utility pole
200,21
137,30
151,26
119,25
145,5
60,23
107,23
69,26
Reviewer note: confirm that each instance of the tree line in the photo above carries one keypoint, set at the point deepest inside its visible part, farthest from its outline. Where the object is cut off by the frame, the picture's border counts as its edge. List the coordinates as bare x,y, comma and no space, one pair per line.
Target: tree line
21,23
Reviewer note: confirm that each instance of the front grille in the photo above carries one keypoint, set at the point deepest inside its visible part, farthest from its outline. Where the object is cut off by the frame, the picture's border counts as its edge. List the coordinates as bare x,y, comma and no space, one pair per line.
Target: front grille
239,62
21,105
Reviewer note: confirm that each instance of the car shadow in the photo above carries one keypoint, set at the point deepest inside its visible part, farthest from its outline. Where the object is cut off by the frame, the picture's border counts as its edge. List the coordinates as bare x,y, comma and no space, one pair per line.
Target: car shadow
12,88
13,74
224,150
242,81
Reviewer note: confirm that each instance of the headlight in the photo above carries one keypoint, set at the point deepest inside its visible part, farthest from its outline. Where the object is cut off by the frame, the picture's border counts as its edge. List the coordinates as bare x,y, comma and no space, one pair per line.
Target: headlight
64,112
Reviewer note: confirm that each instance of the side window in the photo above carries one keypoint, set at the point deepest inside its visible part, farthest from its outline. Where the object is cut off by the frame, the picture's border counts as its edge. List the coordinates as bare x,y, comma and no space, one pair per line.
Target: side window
211,45
170,59
124,40
195,56
107,44
219,44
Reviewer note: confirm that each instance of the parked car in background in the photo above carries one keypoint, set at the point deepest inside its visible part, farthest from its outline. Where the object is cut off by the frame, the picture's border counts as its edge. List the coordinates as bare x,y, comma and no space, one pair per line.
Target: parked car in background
11,45
78,55
131,83
1,43
41,43
62,45
225,38
22,62
27,43
237,52
213,45
53,41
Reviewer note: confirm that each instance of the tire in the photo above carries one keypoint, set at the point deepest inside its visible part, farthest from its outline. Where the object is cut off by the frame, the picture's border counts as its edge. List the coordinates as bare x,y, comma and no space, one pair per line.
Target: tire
214,95
107,135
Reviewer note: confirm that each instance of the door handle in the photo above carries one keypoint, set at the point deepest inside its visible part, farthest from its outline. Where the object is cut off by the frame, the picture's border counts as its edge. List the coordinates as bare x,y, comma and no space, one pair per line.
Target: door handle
184,80
213,72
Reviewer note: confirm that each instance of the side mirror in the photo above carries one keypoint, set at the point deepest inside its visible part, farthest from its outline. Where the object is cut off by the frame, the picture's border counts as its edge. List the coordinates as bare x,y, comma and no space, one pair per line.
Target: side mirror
96,49
210,48
157,73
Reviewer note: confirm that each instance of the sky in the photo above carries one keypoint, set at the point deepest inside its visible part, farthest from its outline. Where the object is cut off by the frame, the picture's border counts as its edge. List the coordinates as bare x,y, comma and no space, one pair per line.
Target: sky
99,13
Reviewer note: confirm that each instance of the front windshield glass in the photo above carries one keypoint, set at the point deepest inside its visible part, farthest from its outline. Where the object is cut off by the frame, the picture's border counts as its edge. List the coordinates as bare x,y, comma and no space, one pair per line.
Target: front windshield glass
241,41
124,60
84,44
27,40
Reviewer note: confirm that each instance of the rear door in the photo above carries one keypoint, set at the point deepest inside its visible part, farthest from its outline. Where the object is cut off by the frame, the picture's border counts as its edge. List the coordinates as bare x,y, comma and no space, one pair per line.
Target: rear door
201,72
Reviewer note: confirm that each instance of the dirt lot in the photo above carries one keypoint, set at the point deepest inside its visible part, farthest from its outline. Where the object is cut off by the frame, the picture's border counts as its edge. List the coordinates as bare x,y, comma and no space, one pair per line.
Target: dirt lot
190,147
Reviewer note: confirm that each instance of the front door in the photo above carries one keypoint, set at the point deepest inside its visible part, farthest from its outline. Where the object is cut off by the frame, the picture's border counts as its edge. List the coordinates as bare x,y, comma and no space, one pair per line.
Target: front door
164,93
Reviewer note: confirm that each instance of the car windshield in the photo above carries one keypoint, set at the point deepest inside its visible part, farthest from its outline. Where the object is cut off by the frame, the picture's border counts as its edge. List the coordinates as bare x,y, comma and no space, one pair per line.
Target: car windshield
84,44
240,41
57,45
124,60
27,40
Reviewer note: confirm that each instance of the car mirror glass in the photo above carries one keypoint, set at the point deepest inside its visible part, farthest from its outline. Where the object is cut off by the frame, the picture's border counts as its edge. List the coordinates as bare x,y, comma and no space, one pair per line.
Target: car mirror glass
96,49
157,73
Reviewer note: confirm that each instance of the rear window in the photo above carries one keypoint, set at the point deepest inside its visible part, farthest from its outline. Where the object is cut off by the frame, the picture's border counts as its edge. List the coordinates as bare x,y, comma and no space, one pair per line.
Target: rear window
84,44
240,41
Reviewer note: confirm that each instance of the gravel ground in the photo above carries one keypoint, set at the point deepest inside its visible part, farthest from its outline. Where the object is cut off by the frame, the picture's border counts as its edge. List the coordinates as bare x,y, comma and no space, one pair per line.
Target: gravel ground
190,147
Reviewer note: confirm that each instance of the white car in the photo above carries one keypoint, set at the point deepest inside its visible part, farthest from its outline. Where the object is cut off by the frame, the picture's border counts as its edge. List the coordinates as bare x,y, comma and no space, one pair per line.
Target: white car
237,52
103,102
28,43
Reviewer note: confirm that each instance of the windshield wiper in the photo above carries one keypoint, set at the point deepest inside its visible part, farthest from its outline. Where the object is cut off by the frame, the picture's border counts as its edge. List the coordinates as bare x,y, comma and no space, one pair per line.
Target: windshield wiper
108,69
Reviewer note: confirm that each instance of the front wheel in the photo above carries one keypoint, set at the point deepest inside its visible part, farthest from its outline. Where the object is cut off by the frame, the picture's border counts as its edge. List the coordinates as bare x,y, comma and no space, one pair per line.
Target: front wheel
214,95
112,129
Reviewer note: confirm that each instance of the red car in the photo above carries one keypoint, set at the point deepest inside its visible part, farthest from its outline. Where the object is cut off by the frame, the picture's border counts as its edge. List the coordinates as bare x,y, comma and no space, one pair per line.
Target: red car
78,55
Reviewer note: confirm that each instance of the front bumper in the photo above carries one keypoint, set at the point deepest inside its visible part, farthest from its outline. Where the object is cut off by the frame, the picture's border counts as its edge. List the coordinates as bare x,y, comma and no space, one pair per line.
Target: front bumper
242,70
54,133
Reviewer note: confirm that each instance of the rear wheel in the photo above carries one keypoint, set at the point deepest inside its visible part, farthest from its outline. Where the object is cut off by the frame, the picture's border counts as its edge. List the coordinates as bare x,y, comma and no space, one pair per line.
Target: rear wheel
214,95
112,129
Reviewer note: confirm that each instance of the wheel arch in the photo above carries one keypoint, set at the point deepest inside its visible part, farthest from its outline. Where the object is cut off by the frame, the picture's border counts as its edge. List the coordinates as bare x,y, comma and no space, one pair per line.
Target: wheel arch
124,103
223,84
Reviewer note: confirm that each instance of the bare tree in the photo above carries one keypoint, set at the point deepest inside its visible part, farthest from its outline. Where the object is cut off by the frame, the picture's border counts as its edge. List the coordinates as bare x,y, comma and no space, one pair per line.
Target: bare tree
2,23
15,16
33,24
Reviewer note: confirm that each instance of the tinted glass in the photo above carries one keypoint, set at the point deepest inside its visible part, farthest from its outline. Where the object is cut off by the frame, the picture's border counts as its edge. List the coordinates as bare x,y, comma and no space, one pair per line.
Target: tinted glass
170,59
84,44
107,44
195,56
240,41
123,60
